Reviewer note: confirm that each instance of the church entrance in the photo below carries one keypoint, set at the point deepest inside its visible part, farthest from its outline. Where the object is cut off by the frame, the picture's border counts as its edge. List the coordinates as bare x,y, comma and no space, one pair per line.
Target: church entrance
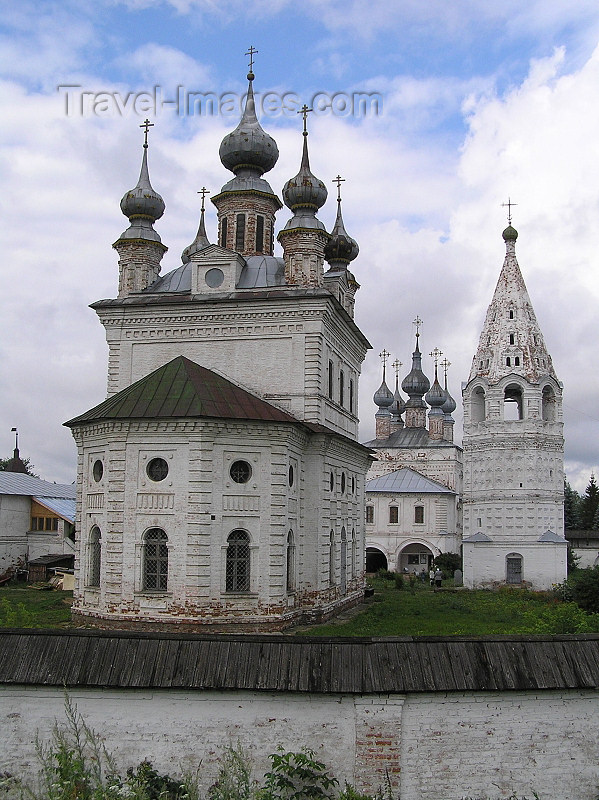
375,560
415,558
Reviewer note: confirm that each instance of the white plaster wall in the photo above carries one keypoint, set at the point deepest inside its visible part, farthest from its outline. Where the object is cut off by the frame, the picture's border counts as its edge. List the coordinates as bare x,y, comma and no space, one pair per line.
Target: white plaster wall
432,745
544,564
15,520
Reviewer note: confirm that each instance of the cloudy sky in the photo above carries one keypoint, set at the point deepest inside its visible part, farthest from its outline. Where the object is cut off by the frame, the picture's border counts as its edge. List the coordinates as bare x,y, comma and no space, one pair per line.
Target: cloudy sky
478,101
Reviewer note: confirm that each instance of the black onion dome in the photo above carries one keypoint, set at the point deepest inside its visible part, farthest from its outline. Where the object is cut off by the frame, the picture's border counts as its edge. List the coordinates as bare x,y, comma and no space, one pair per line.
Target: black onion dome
340,247
435,397
305,190
510,234
449,406
416,384
383,397
249,146
143,201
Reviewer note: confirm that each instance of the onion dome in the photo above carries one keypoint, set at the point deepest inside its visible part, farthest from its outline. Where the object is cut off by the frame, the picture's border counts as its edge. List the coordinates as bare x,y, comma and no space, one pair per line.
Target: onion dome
383,397
249,146
510,234
201,240
142,205
449,406
416,384
305,191
435,397
398,405
341,248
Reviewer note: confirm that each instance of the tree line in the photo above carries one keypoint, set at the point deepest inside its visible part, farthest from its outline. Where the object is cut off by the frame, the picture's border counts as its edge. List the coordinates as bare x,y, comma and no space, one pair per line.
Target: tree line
581,512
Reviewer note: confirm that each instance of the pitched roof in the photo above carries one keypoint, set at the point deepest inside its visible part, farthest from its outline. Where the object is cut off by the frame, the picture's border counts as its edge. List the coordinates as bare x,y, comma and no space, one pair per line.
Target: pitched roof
15,483
410,438
278,663
183,388
63,506
406,480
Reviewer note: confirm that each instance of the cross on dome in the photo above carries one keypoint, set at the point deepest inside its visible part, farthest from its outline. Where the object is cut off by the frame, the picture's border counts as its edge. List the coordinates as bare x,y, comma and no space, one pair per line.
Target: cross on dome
339,180
203,191
509,205
251,53
304,111
436,355
397,366
146,124
417,322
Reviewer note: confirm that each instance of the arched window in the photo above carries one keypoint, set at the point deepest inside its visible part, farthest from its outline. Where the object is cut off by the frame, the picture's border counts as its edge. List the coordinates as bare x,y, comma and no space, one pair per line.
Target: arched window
478,405
290,562
351,396
354,548
511,313
548,404
238,562
330,380
155,560
511,338
513,406
94,557
369,514
332,558
341,388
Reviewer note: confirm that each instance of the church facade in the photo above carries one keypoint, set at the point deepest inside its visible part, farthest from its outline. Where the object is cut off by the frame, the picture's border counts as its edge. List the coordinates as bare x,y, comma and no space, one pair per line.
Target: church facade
221,483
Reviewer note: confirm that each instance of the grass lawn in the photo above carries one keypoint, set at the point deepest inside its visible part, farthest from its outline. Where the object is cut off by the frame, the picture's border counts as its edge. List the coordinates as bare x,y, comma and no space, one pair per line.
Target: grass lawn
26,607
424,612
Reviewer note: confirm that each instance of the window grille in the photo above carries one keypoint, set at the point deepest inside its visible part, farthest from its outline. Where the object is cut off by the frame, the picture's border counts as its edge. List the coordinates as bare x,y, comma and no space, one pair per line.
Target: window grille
95,557
419,514
370,514
393,514
157,469
240,471
155,570
238,562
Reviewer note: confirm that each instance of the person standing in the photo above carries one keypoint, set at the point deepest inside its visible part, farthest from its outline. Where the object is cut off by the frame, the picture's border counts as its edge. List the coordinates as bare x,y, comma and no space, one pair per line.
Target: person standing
431,576
438,578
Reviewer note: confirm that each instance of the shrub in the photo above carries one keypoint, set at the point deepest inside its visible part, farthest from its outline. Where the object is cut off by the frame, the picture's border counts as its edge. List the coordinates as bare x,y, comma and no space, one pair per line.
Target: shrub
386,574
14,616
297,776
585,589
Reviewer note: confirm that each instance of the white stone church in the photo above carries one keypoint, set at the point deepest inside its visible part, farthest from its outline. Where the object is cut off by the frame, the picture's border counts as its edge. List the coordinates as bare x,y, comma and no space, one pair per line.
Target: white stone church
221,484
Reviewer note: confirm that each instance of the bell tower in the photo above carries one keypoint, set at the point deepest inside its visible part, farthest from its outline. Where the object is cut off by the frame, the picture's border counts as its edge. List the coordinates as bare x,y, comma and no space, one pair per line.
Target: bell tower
513,446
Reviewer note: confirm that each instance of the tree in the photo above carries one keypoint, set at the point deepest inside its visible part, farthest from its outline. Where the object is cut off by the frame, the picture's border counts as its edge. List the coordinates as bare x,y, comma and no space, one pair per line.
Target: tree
448,563
589,503
585,589
571,507
5,463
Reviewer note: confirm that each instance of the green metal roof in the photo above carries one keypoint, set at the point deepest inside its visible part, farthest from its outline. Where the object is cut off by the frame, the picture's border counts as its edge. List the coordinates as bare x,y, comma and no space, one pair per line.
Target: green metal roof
183,388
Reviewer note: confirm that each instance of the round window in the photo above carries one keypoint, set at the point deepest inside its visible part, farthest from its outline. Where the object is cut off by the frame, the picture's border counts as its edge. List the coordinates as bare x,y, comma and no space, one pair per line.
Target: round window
98,470
214,277
291,475
157,469
240,471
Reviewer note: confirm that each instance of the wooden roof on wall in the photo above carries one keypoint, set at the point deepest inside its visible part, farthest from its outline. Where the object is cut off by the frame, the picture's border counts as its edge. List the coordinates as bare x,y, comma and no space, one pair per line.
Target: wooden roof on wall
297,664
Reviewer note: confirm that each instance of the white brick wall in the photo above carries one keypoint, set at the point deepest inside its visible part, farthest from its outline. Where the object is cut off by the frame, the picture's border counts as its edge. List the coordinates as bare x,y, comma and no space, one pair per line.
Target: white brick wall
433,746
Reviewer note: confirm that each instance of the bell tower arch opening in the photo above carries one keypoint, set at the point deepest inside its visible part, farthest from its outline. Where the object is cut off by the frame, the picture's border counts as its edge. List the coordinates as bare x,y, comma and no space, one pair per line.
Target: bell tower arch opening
513,405
478,405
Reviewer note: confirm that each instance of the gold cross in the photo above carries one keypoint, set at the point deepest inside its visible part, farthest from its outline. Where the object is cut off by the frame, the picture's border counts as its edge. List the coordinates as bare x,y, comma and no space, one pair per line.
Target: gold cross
509,205
339,180
147,125
250,53
384,356
396,366
203,192
304,111
417,322
445,364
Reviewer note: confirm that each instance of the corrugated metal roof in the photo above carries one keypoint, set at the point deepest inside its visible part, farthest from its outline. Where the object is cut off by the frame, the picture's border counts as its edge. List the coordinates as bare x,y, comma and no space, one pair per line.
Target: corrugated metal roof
16,483
406,480
182,388
298,664
62,506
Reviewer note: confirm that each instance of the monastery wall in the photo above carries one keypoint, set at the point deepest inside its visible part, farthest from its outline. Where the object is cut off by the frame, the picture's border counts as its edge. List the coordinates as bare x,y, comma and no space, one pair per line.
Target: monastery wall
431,745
